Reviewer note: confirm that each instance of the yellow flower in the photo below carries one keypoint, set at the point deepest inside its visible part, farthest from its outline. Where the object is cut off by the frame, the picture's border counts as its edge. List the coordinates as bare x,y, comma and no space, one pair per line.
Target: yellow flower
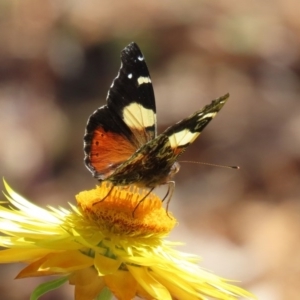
100,244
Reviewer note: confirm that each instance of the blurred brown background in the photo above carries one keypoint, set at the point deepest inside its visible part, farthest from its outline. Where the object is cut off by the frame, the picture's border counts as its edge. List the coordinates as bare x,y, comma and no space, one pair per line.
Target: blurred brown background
57,61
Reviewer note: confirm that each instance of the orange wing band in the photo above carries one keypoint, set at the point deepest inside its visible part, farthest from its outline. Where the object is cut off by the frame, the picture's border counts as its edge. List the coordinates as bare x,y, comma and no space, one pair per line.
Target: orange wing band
108,148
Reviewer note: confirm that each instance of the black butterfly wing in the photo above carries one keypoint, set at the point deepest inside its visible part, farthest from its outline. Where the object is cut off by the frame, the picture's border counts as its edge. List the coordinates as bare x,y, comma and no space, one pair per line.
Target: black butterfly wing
185,132
116,130
131,95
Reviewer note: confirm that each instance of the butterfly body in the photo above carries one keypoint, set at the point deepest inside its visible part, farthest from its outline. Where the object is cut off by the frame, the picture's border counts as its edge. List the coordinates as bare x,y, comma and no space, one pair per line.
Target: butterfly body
156,165
121,144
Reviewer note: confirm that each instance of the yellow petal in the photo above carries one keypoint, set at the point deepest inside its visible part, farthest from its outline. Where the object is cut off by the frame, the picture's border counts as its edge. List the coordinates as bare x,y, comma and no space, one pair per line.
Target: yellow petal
57,263
87,284
29,208
142,293
122,285
33,270
182,289
17,255
148,283
67,261
106,265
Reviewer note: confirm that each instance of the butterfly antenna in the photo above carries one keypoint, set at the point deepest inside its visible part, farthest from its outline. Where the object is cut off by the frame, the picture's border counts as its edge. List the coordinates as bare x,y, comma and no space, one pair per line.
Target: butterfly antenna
209,164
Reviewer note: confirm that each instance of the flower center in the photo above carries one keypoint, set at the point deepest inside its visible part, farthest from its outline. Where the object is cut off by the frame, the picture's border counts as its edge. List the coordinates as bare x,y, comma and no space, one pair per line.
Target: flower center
129,211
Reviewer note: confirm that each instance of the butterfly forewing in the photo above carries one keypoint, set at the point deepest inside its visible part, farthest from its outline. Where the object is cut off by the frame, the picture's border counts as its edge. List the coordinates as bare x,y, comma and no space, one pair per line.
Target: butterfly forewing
131,95
187,130
116,130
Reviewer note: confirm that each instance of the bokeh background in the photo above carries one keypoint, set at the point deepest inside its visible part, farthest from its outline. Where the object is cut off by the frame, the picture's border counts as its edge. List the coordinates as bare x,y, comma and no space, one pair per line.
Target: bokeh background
57,61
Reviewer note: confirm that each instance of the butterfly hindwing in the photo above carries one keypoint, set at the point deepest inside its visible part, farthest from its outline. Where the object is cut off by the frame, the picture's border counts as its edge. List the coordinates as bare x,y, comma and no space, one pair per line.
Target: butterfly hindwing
107,143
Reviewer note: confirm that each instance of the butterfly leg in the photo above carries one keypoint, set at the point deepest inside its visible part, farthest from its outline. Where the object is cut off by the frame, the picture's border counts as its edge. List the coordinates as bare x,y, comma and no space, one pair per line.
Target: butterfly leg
109,192
166,195
142,201
171,187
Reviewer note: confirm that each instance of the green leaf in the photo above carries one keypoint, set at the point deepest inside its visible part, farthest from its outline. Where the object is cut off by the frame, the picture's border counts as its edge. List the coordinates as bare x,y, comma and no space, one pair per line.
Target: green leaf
47,286
105,295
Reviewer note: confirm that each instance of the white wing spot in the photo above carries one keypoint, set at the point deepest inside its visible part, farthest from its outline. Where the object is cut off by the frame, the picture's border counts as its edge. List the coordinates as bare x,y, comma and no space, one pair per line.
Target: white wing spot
140,58
129,75
138,117
182,138
142,80
209,115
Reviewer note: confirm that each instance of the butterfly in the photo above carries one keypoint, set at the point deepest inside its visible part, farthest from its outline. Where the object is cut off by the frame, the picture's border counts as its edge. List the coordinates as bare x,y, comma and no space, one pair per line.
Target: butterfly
121,144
